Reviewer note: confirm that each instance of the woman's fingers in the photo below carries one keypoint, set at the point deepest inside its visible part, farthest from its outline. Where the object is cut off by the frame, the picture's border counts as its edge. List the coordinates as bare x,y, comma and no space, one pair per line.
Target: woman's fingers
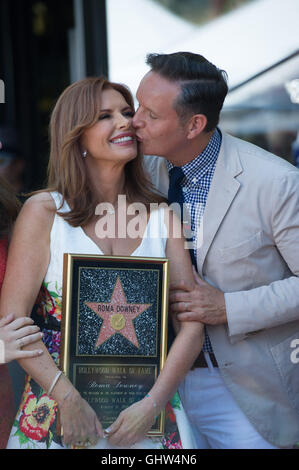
29,339
81,427
17,333
6,320
25,354
115,426
21,322
113,432
26,331
99,429
132,424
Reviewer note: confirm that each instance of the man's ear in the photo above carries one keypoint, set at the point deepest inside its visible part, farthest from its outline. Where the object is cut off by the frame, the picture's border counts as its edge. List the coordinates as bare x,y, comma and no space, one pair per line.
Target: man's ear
196,125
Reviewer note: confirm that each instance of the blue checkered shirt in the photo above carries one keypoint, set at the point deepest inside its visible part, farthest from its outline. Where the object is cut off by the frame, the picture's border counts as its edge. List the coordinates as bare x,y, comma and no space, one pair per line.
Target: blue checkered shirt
195,186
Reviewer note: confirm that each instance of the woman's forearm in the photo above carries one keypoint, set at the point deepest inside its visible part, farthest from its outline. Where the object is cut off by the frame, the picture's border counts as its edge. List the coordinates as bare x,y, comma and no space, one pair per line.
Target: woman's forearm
43,370
185,349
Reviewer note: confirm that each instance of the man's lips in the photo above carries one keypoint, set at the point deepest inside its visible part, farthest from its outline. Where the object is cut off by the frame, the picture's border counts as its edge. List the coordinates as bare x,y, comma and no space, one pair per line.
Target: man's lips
138,138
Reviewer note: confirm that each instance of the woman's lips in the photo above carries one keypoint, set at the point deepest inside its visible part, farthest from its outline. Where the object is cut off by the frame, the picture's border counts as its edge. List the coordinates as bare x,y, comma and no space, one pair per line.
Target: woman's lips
123,139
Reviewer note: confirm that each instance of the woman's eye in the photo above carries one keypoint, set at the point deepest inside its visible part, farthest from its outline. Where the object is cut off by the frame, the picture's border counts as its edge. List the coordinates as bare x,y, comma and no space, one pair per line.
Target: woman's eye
104,116
152,116
129,113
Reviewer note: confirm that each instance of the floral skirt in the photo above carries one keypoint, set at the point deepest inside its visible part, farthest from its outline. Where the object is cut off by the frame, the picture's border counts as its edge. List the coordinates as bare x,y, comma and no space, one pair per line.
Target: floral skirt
7,406
36,420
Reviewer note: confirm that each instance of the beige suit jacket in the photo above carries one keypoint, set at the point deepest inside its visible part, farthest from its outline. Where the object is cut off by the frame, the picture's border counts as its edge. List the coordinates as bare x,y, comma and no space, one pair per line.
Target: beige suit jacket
250,251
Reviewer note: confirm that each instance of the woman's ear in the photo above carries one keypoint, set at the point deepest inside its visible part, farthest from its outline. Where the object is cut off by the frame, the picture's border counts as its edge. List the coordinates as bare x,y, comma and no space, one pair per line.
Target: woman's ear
196,125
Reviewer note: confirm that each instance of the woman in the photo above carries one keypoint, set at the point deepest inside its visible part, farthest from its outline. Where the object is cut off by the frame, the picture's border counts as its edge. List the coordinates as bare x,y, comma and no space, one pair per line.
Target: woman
14,333
94,158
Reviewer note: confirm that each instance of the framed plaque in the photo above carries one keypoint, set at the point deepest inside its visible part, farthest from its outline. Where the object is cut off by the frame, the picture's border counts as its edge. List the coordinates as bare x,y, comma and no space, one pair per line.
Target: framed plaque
114,330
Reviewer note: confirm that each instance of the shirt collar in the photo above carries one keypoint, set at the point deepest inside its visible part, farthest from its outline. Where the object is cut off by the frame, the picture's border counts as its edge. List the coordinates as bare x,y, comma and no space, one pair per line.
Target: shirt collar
204,161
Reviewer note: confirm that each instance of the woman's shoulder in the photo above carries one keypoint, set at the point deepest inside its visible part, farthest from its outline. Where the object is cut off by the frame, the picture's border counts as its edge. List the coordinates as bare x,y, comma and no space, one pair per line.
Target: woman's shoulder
41,201
39,207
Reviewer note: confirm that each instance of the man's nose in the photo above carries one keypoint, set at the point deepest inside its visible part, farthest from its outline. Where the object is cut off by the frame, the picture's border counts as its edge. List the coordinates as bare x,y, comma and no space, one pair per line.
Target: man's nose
137,121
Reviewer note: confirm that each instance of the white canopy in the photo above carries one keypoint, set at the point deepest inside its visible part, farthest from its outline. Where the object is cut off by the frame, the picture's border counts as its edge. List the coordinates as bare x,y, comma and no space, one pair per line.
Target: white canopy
243,42
136,28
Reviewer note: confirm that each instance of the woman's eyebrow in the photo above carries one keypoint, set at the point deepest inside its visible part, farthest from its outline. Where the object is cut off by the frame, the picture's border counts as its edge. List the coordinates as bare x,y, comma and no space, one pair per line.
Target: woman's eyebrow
110,110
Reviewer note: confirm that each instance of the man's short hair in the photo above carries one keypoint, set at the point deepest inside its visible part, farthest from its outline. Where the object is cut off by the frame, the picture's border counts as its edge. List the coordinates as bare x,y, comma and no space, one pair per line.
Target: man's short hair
203,85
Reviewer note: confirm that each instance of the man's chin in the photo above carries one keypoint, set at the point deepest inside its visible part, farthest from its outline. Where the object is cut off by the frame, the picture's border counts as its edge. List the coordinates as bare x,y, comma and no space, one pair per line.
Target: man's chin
145,149
149,151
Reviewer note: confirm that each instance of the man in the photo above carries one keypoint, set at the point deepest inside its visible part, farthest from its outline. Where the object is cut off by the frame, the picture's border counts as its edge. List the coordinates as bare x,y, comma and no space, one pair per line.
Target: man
243,390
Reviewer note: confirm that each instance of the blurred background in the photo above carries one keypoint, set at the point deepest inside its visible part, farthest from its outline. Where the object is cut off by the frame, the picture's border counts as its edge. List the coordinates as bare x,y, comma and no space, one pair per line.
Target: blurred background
46,45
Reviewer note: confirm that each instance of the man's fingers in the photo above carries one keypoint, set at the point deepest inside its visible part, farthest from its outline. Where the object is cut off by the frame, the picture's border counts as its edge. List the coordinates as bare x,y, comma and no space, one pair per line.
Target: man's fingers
179,307
180,285
177,296
188,316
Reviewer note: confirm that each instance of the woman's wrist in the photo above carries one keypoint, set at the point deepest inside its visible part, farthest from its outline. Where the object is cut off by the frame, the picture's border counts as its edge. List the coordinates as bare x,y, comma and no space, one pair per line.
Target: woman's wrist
54,382
65,398
156,406
63,390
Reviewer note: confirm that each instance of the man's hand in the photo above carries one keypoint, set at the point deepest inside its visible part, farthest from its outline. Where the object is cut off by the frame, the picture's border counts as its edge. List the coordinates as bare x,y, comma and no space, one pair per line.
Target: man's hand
203,303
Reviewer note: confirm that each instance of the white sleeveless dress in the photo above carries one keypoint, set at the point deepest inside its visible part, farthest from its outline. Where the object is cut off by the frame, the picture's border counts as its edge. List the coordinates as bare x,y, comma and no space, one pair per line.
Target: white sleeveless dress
35,423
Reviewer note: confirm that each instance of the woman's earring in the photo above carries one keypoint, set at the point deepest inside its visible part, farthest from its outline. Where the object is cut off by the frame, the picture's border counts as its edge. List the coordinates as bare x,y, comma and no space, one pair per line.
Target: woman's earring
84,154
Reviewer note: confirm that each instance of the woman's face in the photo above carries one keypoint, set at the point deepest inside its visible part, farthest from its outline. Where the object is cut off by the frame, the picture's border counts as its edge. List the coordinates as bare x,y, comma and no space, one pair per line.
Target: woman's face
112,138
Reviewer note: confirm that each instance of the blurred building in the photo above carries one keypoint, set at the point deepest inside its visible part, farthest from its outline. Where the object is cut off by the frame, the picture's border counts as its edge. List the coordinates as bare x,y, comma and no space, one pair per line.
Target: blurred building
44,46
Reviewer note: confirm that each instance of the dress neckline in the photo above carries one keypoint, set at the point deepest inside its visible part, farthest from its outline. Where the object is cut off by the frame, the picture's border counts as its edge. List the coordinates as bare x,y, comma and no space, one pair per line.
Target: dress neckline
101,251
90,240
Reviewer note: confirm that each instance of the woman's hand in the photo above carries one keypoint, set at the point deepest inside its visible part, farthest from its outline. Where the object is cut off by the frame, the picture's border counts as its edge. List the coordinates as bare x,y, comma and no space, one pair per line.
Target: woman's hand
81,427
14,334
132,424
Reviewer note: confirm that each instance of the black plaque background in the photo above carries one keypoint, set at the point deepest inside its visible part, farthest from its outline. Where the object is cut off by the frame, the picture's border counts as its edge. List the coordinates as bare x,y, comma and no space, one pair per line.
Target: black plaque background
140,286
117,352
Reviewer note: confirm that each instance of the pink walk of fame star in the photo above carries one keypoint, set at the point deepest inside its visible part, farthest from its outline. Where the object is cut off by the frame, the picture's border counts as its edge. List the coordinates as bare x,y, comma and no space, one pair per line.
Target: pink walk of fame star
118,316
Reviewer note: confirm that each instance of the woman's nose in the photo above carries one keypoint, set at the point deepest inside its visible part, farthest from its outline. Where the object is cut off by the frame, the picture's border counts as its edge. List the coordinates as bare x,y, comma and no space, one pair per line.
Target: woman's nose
124,122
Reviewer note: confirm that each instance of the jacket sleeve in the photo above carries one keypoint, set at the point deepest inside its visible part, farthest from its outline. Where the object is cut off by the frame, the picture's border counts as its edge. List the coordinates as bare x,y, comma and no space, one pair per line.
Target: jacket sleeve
277,303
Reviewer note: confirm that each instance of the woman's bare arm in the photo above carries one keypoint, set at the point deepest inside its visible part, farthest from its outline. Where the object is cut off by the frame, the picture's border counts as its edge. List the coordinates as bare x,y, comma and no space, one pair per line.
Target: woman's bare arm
134,422
28,260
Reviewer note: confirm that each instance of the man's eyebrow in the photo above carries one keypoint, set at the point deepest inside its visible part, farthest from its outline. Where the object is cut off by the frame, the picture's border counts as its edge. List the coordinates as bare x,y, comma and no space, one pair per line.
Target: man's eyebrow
147,108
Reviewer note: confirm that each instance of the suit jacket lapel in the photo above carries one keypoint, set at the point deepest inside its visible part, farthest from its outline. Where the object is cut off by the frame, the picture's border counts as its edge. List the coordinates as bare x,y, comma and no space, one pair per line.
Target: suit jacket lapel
223,190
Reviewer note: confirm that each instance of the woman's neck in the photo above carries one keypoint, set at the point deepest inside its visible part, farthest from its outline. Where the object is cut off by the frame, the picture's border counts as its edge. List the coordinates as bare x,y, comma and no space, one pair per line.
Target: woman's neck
107,181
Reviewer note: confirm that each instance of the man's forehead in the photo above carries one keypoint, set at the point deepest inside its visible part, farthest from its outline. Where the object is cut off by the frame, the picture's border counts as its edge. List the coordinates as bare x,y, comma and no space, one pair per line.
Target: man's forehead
157,85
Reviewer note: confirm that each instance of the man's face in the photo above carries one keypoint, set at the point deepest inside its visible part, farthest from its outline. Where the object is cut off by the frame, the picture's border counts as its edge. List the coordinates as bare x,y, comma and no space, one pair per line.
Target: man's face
157,124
